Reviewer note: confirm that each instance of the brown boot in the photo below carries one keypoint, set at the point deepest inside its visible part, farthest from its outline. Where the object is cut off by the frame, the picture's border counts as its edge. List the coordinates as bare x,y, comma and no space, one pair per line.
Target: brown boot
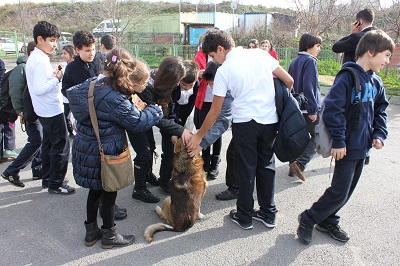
298,170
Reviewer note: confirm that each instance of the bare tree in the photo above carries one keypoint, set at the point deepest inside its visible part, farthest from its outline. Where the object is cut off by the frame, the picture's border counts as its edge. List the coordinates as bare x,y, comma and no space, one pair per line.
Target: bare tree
321,16
389,20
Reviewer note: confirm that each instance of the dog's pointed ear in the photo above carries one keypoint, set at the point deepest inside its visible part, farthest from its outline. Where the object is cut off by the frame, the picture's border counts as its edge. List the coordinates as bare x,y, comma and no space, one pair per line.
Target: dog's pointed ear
178,146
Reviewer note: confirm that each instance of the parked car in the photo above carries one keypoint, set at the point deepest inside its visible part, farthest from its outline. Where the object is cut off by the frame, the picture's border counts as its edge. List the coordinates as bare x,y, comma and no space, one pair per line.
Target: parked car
9,45
108,26
65,39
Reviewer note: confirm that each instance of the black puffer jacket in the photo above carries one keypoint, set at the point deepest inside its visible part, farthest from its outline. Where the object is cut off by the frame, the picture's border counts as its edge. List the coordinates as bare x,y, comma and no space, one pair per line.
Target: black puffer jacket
293,137
115,114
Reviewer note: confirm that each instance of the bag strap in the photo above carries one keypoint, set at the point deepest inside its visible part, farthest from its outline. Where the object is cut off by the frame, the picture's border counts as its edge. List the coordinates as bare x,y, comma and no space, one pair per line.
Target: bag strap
93,116
357,101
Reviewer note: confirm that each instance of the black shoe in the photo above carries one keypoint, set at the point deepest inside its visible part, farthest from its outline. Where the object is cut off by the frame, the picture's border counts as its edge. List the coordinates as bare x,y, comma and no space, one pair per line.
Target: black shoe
304,231
228,194
13,179
266,221
165,189
144,195
120,213
212,175
120,209
63,190
36,175
45,184
152,180
235,219
333,230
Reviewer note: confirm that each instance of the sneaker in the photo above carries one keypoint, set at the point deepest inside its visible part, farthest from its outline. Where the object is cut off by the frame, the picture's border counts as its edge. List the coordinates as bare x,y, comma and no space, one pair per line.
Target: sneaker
228,194
333,230
64,190
304,231
10,154
36,175
266,221
235,219
291,172
45,184
297,170
165,189
13,179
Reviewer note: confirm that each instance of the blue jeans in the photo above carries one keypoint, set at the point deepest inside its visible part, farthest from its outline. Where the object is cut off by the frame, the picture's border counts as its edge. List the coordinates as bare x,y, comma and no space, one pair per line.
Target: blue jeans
31,152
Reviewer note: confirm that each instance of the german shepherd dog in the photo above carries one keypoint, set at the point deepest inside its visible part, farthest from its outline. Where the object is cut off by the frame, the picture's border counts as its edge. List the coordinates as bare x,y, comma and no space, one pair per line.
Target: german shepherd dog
188,186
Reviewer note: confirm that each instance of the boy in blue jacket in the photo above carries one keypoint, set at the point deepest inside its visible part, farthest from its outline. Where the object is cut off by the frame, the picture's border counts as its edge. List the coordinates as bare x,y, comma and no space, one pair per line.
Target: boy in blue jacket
351,144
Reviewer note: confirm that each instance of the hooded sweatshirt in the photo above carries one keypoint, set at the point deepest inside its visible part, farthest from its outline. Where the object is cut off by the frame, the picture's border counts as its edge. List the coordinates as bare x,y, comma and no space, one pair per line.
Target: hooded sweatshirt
372,118
17,83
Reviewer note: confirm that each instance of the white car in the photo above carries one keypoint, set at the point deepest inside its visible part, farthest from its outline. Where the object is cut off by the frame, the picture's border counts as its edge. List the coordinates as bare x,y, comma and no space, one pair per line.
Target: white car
9,45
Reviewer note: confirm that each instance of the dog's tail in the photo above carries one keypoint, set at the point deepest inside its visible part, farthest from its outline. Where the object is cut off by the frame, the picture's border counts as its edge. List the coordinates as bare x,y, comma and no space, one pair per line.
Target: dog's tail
154,228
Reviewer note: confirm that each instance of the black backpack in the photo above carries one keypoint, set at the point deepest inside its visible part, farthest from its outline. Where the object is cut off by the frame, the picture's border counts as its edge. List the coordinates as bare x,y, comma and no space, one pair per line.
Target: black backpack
5,99
29,114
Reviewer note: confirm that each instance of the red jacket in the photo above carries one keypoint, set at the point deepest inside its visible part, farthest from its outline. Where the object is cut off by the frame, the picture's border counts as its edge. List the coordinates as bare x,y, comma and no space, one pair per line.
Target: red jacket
201,59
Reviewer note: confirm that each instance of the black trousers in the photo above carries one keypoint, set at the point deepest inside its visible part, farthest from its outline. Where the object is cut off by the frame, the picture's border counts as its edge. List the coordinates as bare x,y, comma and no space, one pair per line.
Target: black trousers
255,160
230,177
55,150
107,207
344,181
31,152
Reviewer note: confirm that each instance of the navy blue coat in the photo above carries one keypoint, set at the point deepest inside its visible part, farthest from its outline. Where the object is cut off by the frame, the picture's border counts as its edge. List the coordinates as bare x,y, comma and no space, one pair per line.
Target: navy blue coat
115,114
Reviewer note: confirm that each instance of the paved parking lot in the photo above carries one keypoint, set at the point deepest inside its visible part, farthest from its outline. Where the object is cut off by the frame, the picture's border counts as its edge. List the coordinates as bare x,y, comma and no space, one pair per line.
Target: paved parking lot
41,229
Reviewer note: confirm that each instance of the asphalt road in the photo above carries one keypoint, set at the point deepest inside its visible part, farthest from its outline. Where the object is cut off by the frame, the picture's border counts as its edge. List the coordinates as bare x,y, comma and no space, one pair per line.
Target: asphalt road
37,228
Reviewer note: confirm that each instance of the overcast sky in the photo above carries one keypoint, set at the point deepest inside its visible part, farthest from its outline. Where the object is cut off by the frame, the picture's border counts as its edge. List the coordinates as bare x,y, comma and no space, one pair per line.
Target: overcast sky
267,3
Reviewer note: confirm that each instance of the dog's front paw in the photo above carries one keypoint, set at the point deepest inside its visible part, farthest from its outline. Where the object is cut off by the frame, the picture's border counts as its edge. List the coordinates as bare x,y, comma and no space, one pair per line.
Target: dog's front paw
158,210
200,216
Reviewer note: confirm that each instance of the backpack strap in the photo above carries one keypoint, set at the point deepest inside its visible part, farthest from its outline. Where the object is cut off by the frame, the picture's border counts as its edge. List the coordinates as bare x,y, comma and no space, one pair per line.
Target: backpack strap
357,101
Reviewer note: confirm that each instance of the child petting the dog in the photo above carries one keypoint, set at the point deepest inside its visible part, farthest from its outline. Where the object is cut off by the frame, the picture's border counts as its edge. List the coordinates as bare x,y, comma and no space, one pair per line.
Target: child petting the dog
115,114
158,90
351,144
247,75
182,104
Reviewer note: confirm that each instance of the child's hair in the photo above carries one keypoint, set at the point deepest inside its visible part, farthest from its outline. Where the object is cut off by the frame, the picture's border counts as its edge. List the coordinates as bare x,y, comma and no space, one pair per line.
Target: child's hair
108,41
83,38
45,29
214,38
141,71
192,71
253,41
211,70
366,14
269,42
119,67
30,47
168,75
375,41
69,49
308,41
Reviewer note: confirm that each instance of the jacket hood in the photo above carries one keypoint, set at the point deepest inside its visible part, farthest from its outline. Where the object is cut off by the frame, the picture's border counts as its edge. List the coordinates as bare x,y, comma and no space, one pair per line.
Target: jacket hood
21,60
364,75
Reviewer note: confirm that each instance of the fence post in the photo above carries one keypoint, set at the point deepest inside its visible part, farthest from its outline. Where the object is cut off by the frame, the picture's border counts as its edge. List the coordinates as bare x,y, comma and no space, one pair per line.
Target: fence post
137,54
